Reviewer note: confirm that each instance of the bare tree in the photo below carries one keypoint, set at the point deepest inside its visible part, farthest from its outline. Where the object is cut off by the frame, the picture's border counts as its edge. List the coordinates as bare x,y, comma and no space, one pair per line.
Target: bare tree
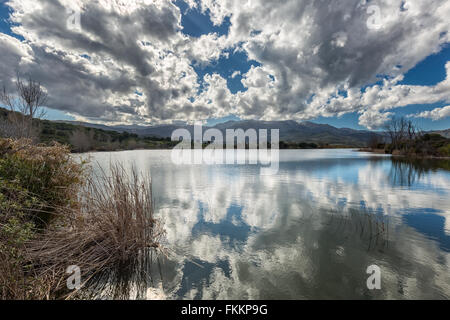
25,106
375,141
391,129
402,133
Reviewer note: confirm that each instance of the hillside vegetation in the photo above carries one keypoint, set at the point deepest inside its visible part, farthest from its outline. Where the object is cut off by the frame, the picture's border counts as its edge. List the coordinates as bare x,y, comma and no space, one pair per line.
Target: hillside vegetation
55,213
405,139
426,145
82,139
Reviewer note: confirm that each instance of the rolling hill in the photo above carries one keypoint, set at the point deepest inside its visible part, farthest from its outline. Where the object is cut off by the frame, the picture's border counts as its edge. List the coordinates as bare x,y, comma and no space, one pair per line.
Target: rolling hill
290,131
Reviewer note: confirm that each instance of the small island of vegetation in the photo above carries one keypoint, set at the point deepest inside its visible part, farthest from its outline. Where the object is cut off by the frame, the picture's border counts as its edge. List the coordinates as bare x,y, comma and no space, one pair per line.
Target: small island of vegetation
403,138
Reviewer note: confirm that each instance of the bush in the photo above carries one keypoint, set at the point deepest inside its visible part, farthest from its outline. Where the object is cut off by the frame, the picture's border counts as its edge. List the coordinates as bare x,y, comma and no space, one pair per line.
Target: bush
43,177
445,151
35,182
54,214
427,145
14,233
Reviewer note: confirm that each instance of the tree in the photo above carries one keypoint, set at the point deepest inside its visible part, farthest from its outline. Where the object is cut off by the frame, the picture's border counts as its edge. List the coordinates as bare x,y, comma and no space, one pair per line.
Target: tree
375,141
25,106
402,133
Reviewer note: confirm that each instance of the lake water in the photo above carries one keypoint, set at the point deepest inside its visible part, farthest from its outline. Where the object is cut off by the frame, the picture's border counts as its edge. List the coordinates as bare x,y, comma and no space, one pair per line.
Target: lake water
308,232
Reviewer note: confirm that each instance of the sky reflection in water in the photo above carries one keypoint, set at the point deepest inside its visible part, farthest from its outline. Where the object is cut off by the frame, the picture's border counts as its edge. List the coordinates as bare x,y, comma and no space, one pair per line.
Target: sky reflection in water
309,232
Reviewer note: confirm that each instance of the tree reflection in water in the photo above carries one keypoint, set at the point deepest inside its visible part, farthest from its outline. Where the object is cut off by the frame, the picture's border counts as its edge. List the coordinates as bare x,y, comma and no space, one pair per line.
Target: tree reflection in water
407,172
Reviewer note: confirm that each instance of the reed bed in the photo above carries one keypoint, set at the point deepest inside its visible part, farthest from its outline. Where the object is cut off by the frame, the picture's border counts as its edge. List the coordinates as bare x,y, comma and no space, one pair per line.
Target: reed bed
111,237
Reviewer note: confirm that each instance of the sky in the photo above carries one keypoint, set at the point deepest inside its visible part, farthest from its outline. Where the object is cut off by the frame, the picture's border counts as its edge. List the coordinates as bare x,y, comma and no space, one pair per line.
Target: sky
353,63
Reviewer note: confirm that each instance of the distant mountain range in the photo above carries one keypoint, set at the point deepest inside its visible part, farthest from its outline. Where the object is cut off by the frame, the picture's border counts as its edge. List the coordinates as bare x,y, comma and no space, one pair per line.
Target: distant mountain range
290,131
444,133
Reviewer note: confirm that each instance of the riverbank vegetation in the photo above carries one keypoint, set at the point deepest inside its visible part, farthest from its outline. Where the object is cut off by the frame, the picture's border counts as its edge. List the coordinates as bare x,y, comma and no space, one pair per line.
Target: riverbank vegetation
54,213
23,118
404,138
80,138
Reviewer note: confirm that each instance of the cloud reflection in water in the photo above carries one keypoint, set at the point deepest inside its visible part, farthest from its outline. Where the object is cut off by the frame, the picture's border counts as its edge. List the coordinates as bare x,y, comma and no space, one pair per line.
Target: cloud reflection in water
309,232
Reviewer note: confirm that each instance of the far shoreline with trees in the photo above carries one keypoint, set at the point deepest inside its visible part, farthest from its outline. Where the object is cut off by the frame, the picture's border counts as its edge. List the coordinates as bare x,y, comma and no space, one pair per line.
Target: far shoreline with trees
24,119
405,139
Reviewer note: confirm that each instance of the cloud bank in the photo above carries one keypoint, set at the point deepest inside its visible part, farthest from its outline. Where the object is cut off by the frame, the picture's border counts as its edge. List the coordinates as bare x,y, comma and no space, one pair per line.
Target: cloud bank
130,61
435,114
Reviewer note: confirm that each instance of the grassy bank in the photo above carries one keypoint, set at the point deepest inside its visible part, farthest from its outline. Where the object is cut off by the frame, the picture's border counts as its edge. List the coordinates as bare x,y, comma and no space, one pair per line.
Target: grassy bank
54,214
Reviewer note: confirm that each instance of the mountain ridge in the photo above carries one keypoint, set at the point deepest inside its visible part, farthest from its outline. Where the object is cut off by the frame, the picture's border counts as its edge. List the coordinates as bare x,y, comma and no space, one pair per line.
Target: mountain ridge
290,131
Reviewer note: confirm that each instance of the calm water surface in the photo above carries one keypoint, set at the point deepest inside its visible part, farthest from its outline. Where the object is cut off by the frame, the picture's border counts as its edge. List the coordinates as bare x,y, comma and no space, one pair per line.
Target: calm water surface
309,232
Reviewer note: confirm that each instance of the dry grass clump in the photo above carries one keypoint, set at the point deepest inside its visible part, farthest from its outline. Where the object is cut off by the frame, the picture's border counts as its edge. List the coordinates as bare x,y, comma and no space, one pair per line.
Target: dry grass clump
110,237
54,214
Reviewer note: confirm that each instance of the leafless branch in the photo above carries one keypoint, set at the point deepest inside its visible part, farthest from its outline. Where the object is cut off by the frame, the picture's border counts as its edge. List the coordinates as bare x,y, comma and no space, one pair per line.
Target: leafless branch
25,106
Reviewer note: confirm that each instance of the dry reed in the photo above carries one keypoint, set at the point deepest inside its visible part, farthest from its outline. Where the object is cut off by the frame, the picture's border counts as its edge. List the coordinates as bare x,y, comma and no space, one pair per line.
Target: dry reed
111,237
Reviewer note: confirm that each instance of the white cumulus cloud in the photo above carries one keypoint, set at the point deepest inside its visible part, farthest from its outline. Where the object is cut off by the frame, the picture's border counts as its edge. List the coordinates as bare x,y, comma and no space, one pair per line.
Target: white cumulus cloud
435,114
132,63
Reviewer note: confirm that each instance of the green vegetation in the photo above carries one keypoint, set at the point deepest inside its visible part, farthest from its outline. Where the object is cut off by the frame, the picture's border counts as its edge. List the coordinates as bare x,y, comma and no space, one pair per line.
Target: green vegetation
405,139
83,139
46,174
426,145
54,213
301,145
445,150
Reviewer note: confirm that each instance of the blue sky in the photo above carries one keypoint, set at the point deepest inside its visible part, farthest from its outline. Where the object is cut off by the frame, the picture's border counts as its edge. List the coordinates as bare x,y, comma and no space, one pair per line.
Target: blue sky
5,27
4,14
429,72
234,63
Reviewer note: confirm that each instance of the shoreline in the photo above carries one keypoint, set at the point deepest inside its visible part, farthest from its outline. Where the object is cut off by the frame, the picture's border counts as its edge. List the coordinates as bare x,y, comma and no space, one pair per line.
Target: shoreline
376,151
411,157
164,149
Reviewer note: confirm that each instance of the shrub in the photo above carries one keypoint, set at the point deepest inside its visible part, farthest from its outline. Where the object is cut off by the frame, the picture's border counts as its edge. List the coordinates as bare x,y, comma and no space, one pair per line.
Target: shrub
47,175
14,233
103,224
445,151
35,182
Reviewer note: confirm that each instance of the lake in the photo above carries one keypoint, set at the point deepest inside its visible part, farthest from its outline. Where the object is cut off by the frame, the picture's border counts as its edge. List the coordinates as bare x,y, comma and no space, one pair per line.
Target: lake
309,232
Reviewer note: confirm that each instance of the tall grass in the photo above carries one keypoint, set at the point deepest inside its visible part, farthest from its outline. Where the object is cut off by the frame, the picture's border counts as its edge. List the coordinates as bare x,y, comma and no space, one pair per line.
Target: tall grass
107,228
110,238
